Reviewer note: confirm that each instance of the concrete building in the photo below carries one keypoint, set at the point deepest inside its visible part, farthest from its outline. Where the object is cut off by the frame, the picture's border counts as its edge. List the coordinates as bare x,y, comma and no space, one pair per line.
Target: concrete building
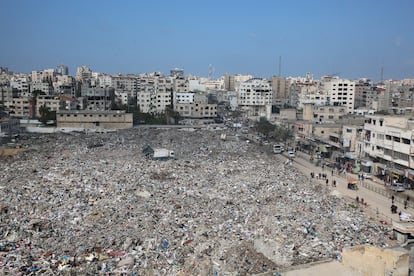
51,102
255,98
19,107
232,82
340,91
197,110
62,70
98,98
350,135
182,97
323,114
45,87
280,87
7,94
47,75
364,93
21,82
84,119
389,141
83,74
177,72
9,126
69,103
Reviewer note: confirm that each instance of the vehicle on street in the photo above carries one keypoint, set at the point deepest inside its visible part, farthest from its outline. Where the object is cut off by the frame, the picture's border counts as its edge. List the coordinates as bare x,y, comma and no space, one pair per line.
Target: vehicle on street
352,184
397,187
278,148
291,154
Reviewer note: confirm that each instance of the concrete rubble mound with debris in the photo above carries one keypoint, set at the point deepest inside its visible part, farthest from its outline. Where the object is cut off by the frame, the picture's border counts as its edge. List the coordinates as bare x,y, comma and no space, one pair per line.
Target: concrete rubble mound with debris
87,203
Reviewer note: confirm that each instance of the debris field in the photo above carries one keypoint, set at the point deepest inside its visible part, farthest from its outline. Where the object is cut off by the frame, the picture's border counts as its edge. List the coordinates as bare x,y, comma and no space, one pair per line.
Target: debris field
93,203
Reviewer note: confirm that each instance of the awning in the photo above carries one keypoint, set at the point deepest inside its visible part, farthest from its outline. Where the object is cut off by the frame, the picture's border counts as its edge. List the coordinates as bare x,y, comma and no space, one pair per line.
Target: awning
366,163
350,155
322,148
409,173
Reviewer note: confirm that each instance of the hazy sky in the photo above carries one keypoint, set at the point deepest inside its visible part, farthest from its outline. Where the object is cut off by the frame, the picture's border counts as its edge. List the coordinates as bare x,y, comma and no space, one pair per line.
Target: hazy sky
349,37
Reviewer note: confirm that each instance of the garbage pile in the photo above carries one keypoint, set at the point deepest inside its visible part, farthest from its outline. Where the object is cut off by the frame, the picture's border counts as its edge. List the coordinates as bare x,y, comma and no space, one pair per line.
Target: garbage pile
87,203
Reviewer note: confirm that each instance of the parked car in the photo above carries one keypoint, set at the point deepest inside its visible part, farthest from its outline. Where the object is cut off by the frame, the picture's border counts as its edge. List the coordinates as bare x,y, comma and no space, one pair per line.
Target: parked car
397,187
291,154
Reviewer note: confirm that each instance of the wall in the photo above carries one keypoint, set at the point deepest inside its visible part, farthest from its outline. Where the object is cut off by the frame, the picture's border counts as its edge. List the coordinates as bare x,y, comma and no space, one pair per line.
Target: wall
373,261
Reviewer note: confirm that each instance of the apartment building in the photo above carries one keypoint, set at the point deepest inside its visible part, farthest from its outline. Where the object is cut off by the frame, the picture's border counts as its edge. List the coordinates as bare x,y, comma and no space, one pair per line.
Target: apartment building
255,98
43,75
44,87
98,98
322,114
340,91
20,107
389,140
364,93
196,110
51,102
155,93
21,82
83,74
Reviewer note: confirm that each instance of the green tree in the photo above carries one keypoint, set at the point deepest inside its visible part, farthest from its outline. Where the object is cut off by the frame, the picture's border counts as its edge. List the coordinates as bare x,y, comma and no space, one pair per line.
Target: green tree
264,127
44,112
281,133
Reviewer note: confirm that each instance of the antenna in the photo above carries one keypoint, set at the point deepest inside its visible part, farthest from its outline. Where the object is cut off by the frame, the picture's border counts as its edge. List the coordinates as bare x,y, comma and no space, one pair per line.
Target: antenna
280,65
382,74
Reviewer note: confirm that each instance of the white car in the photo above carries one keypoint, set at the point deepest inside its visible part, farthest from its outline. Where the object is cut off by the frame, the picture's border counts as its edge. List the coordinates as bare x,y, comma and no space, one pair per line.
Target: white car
291,154
367,176
397,187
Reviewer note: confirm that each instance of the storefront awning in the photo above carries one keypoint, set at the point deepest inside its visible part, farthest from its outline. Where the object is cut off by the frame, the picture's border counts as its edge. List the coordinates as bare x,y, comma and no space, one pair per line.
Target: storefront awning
366,163
409,173
350,155
322,148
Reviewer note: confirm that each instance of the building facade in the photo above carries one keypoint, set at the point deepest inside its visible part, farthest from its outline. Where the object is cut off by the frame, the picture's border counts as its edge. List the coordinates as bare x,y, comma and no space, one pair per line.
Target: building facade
84,119
255,98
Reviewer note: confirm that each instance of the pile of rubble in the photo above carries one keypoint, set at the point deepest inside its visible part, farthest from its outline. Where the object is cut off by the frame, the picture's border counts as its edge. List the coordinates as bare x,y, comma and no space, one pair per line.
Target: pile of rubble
93,203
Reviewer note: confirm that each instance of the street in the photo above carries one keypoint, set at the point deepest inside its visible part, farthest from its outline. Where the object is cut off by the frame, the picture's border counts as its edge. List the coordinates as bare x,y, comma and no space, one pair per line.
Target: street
377,198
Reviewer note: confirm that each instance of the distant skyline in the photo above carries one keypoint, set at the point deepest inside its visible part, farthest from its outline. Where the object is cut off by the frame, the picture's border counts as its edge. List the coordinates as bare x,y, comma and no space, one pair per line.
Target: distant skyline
347,37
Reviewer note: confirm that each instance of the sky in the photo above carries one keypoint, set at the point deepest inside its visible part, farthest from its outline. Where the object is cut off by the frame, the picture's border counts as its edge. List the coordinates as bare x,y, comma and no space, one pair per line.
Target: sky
349,38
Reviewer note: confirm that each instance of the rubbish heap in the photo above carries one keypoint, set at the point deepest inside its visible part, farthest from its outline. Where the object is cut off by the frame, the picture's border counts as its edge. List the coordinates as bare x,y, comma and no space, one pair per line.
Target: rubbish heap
88,203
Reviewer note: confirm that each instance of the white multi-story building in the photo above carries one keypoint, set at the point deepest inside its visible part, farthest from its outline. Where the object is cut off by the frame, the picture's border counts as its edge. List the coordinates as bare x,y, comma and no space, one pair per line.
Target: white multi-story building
155,93
390,141
255,98
182,97
340,92
83,73
45,87
22,83
43,75
316,99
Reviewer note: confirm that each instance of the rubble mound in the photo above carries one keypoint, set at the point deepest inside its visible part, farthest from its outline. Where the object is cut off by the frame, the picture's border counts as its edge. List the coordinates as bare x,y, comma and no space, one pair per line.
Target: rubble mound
93,203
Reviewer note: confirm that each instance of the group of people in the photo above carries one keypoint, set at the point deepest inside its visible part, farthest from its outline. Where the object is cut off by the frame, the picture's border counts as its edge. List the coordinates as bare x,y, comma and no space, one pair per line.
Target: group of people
394,207
324,177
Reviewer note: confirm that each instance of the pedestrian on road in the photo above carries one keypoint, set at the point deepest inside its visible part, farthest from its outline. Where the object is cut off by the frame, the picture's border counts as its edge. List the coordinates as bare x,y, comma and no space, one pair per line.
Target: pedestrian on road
332,172
334,183
327,182
392,199
405,204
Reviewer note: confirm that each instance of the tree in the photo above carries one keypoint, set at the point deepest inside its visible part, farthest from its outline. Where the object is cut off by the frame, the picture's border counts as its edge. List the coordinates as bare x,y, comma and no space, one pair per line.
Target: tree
46,115
264,127
281,133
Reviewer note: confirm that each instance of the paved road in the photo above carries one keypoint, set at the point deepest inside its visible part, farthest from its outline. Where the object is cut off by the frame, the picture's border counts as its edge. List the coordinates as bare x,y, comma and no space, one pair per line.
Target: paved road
378,201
